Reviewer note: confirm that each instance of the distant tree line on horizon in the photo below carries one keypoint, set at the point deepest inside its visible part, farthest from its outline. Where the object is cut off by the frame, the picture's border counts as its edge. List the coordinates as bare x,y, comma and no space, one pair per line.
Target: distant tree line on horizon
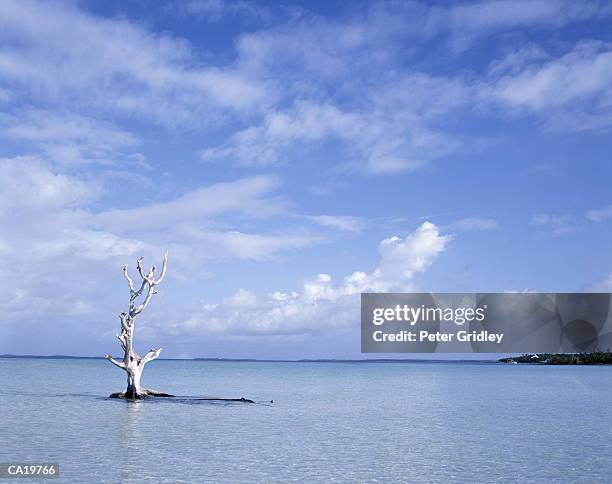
597,357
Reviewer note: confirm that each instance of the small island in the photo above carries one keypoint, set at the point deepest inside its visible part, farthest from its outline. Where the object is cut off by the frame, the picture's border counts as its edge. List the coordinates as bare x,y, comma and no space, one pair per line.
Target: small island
593,358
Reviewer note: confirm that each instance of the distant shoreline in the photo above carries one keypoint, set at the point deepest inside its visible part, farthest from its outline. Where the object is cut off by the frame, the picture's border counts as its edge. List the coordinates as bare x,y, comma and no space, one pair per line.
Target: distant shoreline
592,358
595,358
256,360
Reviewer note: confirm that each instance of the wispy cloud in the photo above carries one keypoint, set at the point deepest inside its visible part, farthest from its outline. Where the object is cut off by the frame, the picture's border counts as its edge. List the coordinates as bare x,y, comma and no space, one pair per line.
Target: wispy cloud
217,10
388,131
339,222
248,195
604,285
71,138
475,223
572,91
60,52
557,224
27,184
599,215
468,21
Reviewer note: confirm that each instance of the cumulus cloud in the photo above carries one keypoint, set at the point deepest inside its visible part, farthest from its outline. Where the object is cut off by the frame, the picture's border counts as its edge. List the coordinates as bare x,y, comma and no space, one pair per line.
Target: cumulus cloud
322,304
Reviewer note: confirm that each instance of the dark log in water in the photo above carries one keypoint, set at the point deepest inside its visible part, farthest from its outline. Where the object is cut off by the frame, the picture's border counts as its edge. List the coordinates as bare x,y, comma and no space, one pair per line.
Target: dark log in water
244,400
154,393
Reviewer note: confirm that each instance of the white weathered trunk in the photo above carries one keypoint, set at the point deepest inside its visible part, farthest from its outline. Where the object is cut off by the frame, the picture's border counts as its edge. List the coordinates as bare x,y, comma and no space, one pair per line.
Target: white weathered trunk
132,363
134,373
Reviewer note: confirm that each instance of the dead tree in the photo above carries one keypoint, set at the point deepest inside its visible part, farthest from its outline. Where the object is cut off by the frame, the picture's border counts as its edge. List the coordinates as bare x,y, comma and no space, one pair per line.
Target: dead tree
132,363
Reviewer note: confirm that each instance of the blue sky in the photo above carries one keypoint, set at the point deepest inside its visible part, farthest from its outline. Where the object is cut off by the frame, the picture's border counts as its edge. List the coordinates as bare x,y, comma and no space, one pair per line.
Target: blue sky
290,156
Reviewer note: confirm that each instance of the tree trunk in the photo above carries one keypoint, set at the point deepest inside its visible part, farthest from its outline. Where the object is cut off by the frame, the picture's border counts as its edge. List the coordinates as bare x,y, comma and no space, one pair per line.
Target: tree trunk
134,372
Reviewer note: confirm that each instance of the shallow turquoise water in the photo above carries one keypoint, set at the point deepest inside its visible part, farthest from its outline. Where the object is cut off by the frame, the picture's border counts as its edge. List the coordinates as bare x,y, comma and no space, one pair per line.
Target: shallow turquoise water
346,422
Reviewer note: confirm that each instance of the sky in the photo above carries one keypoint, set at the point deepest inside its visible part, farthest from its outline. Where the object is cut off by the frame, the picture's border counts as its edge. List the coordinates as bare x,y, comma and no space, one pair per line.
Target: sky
290,156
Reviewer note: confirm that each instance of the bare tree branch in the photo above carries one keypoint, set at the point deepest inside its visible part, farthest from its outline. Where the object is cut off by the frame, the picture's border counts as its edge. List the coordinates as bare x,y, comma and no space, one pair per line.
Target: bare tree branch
150,356
145,278
128,278
125,323
115,362
163,271
121,339
138,309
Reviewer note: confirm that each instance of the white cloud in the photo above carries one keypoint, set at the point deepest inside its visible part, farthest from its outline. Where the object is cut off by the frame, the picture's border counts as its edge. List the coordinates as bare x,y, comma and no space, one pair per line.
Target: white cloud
389,133
464,23
242,298
475,223
509,14
265,144
323,304
292,88
57,52
516,60
600,215
62,255
573,91
387,120
241,245
27,183
216,10
607,284
247,195
70,138
338,222
557,224
48,249
284,83
5,95
604,285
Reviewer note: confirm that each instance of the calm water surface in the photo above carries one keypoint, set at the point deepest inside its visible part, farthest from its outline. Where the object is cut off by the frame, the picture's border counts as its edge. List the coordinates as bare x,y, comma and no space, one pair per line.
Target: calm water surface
345,422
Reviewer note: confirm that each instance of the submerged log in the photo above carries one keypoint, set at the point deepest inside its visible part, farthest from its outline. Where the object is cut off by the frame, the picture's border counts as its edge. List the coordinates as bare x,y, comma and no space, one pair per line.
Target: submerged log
242,399
144,393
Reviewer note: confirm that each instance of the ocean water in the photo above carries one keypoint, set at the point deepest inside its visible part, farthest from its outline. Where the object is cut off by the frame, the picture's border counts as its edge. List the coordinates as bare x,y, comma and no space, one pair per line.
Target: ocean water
339,422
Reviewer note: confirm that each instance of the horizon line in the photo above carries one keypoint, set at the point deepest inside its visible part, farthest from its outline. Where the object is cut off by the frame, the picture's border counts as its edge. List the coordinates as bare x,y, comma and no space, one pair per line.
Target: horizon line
269,360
